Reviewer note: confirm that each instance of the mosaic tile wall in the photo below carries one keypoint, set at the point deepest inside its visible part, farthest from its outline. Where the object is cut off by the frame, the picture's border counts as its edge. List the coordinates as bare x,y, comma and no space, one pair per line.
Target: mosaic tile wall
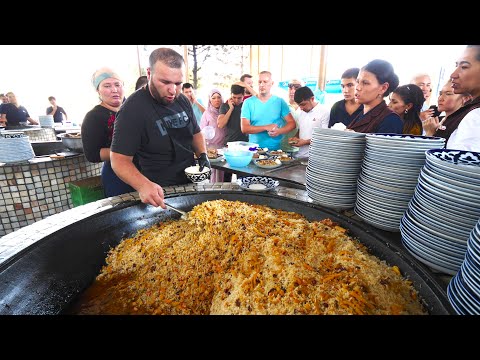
34,191
42,134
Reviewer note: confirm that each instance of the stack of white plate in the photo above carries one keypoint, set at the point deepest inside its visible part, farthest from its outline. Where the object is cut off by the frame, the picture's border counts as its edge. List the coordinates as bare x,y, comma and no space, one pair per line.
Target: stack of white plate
15,148
444,209
463,291
46,121
334,162
389,175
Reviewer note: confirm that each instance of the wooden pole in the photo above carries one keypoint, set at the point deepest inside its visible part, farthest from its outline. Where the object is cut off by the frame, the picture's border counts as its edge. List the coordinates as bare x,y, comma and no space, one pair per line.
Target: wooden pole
323,67
139,64
185,56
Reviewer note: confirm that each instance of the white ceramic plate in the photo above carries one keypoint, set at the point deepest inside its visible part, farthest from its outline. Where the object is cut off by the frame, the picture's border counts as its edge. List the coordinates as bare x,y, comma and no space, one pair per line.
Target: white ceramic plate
266,166
216,160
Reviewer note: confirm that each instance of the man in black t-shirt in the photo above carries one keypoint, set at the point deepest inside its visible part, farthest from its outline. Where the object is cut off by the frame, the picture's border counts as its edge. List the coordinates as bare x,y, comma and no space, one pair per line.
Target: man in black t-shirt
156,123
229,115
56,110
14,114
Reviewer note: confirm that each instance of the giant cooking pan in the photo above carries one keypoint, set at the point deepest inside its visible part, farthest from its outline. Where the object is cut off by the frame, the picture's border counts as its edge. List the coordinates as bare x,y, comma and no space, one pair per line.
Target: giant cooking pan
46,277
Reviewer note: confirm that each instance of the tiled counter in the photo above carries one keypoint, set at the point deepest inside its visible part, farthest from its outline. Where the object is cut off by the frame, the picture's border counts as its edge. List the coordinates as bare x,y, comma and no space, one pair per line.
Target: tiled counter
36,189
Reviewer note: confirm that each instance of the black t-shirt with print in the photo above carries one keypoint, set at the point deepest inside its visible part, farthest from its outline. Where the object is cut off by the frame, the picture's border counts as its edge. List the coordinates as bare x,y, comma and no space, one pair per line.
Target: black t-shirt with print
160,135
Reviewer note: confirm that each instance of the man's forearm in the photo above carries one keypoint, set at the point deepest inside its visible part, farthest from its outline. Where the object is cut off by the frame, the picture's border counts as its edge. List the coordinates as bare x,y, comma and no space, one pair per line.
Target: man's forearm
123,166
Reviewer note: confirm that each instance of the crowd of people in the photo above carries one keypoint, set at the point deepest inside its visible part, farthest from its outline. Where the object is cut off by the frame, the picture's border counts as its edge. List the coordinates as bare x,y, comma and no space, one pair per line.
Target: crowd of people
147,139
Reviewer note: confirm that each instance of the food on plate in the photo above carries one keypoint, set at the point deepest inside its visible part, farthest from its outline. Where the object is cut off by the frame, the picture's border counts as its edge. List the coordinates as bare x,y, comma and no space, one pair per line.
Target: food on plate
285,158
257,155
232,257
268,162
212,153
75,135
276,152
257,187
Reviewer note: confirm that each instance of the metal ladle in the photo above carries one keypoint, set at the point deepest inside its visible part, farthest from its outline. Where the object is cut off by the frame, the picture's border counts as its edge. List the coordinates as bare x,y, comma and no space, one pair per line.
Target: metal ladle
184,214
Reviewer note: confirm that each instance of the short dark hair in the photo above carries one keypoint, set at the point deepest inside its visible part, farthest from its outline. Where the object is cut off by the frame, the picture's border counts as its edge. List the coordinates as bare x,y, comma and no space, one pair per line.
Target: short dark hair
350,73
186,86
384,73
168,56
302,94
51,98
242,78
142,80
237,89
477,48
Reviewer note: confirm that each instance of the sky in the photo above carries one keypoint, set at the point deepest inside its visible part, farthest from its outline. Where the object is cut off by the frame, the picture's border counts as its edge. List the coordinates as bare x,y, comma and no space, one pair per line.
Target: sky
35,72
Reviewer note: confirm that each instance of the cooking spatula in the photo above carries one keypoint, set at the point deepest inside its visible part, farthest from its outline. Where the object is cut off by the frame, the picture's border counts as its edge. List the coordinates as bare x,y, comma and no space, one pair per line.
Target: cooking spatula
184,214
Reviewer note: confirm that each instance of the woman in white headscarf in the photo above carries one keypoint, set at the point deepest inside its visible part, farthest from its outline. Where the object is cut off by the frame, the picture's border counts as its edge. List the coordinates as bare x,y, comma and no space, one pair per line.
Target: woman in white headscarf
209,125
97,128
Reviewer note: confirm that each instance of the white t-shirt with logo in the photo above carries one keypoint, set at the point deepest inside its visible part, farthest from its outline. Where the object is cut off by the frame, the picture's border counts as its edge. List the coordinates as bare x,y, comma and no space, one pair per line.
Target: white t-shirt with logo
319,116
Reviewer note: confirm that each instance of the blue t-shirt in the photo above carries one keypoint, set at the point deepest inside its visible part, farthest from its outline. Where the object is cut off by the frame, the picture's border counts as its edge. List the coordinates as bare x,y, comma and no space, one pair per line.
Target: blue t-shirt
259,113
197,112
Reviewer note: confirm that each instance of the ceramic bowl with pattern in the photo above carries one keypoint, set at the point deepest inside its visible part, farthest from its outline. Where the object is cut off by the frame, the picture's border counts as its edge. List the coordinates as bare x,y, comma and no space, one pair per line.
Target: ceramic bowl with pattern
195,175
257,183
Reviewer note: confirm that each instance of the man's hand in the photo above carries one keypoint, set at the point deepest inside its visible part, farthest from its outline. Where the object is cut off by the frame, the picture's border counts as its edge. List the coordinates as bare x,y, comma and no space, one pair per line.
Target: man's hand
152,193
203,161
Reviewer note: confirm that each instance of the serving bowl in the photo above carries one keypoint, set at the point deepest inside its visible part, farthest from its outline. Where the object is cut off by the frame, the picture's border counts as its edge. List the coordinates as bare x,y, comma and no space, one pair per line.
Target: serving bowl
238,158
257,183
72,141
195,175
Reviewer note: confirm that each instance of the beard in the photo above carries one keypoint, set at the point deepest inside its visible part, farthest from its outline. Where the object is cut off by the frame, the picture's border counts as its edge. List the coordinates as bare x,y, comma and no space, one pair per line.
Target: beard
156,95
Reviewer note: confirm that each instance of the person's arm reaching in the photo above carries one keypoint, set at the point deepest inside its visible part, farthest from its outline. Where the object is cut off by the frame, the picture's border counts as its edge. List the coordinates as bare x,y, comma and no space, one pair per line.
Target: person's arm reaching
249,88
149,192
32,121
223,119
195,101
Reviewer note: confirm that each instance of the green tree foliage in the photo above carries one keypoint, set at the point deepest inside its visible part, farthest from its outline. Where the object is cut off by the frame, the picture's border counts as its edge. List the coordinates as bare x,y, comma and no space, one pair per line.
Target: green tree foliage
226,54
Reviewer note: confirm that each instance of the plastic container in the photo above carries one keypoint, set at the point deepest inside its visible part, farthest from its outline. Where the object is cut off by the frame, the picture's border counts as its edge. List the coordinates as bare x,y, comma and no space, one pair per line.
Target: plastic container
86,190
242,145
238,158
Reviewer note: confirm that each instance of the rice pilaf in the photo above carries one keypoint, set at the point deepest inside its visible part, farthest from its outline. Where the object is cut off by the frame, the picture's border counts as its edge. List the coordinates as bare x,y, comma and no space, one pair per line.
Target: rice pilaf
231,257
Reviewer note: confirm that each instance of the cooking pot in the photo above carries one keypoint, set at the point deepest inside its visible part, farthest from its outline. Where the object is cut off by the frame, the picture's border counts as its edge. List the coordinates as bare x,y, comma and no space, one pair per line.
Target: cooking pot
73,143
48,276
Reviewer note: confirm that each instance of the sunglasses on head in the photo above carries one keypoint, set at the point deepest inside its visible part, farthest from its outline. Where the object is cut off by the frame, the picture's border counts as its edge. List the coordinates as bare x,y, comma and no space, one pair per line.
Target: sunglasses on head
295,86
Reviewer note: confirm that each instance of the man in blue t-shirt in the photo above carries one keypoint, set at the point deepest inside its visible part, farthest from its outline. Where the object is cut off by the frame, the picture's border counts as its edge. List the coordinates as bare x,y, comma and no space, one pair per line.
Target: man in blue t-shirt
266,117
197,106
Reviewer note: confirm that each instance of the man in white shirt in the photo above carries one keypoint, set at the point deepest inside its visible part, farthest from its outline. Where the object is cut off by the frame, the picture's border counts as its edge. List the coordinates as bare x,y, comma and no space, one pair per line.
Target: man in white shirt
312,115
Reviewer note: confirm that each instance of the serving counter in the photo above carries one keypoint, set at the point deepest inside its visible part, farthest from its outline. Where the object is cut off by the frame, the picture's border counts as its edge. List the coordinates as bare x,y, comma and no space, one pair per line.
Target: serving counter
291,174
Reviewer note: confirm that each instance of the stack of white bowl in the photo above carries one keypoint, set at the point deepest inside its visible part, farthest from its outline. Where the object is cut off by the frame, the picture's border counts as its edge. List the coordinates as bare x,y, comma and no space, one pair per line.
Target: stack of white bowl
15,147
389,175
46,121
444,209
334,162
